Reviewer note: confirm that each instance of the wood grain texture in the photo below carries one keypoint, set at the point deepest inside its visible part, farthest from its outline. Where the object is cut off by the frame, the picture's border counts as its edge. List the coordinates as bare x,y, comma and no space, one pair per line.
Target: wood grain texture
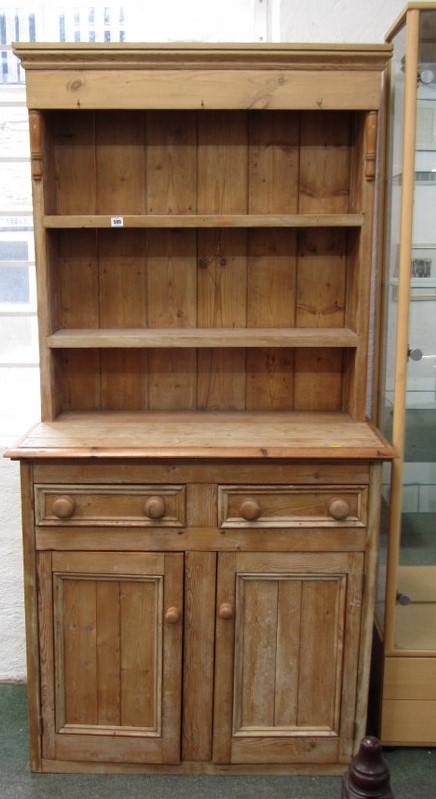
199,643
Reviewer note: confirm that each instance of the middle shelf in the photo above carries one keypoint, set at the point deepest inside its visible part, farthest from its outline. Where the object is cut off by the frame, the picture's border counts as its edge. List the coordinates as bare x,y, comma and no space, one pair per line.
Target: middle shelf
202,337
71,221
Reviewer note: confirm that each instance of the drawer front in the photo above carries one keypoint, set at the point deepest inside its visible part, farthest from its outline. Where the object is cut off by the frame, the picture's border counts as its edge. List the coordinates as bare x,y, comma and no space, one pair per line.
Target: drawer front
292,506
100,505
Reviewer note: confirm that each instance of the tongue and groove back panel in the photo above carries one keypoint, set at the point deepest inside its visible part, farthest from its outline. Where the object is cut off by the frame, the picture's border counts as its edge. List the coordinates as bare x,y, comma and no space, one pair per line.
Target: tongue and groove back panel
234,271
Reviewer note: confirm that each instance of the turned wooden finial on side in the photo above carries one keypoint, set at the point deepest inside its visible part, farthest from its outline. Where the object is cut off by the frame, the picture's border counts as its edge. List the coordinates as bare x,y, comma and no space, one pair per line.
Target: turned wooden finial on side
368,775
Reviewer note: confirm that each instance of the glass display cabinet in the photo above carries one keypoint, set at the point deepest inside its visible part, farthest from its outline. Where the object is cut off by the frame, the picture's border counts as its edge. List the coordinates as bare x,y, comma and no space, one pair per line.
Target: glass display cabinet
404,667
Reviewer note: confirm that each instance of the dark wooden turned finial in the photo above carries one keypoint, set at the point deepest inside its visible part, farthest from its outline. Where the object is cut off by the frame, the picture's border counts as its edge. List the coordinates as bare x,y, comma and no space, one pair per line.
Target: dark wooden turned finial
368,774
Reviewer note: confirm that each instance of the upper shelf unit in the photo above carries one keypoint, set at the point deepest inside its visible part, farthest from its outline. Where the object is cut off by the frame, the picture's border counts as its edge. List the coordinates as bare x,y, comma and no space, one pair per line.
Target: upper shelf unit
203,220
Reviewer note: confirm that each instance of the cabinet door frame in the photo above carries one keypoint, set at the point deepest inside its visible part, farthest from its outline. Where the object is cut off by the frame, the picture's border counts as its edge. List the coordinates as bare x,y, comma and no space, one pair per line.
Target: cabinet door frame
304,744
161,575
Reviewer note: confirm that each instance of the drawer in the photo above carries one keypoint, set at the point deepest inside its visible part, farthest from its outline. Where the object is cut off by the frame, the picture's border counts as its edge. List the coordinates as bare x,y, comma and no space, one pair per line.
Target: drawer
292,506
107,505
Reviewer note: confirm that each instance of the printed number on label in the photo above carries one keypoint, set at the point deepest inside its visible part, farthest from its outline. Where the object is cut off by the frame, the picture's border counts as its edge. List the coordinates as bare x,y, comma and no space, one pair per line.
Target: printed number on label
117,221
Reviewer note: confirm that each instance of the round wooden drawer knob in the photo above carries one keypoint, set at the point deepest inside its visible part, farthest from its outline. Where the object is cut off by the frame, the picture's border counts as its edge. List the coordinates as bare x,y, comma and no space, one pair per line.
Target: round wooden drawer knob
339,509
172,615
225,611
154,507
250,510
63,507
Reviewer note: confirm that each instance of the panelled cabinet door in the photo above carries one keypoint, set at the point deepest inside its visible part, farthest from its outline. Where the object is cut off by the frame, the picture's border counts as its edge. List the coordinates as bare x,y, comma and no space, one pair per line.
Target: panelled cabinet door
111,651
288,629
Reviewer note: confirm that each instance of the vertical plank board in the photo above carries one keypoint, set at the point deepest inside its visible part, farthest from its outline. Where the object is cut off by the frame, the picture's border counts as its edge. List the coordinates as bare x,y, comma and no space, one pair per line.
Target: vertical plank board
321,278
122,280
356,626
171,162
321,283
120,162
139,652
224,660
74,159
222,290
171,666
198,662
318,654
79,616
273,162
270,303
80,370
222,162
255,655
288,652
317,385
172,302
108,653
324,162
77,279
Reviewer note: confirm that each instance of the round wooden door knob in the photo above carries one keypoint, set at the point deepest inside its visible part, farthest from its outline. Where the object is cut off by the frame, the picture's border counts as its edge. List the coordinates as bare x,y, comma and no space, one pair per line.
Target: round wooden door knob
172,615
154,507
225,611
339,509
63,507
250,510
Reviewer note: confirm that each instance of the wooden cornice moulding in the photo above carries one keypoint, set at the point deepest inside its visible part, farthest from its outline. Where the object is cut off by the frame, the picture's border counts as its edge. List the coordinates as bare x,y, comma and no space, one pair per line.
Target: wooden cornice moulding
204,56
203,77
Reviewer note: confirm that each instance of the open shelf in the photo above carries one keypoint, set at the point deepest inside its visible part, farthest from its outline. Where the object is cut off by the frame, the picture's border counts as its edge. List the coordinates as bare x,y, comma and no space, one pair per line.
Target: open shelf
202,337
203,220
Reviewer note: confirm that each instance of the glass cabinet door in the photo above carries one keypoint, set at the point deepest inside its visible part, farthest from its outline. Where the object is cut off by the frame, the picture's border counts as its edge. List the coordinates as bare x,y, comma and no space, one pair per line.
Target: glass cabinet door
408,386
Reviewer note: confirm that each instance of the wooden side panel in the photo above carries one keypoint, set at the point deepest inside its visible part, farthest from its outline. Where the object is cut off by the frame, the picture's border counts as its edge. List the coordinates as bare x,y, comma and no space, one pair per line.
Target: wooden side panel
199,644
119,160
122,303
172,303
360,269
74,159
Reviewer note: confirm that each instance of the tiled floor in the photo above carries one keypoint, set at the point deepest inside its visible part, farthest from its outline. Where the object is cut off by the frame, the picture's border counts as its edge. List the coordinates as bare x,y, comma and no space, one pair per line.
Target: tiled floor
413,773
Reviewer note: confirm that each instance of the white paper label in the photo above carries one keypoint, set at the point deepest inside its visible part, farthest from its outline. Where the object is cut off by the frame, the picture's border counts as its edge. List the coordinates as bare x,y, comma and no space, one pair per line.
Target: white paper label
117,221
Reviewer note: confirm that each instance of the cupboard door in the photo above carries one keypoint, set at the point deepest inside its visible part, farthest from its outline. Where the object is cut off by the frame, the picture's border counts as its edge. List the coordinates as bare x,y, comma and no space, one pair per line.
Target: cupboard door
111,651
287,647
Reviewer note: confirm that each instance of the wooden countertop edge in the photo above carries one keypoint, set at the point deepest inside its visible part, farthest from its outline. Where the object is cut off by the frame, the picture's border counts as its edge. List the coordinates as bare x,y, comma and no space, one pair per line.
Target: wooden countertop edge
200,453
